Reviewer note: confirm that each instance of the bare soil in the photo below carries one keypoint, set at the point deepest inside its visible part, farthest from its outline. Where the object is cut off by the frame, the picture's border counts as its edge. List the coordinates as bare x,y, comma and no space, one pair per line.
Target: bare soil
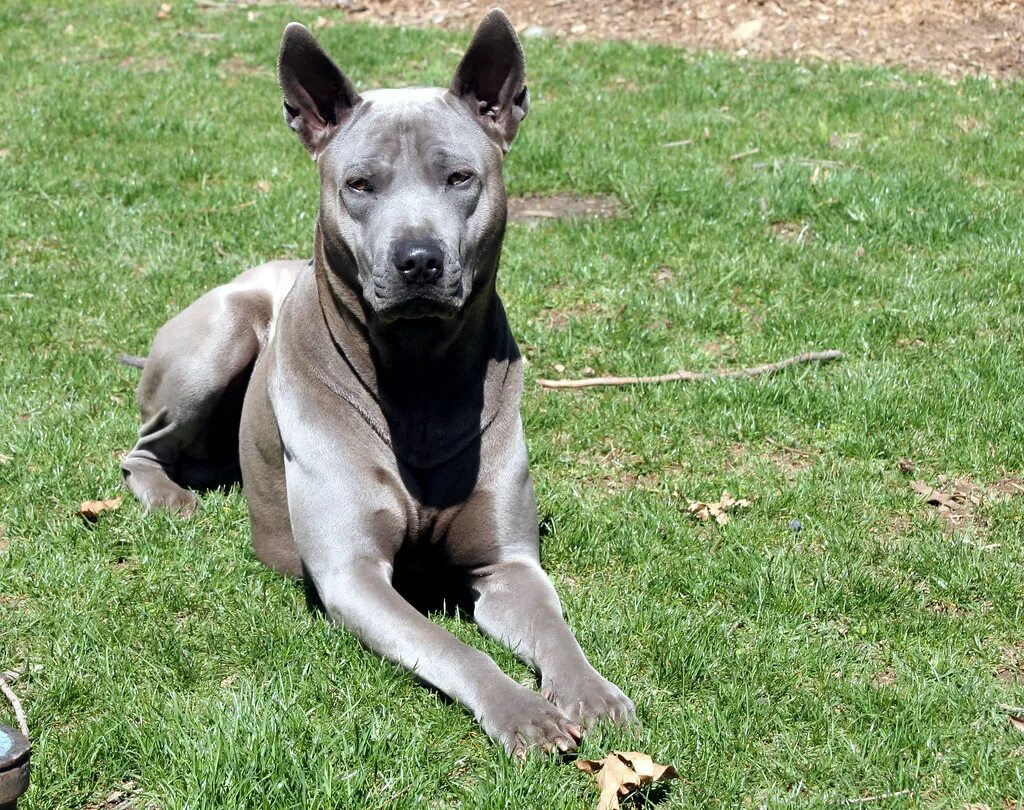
953,38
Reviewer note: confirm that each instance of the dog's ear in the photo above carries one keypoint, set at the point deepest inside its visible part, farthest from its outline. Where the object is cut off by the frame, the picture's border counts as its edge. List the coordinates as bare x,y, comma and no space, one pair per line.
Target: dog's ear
491,78
318,97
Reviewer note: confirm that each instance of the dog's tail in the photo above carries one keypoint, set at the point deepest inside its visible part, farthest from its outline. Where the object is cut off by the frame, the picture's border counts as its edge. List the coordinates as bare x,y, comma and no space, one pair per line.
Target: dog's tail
132,360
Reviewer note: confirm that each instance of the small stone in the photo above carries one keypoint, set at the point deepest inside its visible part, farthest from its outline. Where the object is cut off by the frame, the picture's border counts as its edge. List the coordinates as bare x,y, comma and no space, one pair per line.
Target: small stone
795,525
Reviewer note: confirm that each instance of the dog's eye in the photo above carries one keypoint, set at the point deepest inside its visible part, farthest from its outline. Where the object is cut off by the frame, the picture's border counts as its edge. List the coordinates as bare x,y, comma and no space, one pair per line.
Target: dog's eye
359,184
459,178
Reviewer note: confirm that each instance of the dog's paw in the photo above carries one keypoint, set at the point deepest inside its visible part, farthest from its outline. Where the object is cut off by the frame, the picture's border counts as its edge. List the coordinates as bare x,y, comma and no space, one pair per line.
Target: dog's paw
588,698
524,720
171,498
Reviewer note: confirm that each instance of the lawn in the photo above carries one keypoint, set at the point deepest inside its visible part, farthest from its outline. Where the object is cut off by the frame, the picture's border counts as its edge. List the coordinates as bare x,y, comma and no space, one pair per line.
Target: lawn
144,160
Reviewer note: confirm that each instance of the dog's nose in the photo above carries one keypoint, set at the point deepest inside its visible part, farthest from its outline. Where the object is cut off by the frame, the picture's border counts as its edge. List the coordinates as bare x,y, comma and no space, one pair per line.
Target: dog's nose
419,261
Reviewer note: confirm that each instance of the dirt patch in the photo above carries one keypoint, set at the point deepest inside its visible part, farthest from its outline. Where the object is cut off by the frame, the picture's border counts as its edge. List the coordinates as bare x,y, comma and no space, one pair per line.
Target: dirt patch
145,64
1011,670
956,500
121,798
534,209
795,232
559,318
239,67
887,677
953,38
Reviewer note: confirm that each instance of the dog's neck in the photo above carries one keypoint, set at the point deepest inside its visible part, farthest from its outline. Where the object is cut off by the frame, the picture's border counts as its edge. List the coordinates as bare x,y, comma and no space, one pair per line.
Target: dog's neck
438,382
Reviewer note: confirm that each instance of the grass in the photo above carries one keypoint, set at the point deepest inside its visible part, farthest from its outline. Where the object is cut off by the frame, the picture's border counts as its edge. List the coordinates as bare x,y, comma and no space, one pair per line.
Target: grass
864,655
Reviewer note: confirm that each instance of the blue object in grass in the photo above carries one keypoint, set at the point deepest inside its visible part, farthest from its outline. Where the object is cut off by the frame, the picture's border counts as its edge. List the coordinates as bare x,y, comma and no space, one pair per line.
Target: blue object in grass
795,525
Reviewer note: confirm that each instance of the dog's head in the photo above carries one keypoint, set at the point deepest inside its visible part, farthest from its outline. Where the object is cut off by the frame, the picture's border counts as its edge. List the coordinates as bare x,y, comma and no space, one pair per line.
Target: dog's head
412,199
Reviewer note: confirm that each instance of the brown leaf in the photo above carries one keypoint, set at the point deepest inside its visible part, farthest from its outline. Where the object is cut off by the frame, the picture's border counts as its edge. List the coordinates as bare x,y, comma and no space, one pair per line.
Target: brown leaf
1017,722
164,12
906,465
717,509
91,510
622,772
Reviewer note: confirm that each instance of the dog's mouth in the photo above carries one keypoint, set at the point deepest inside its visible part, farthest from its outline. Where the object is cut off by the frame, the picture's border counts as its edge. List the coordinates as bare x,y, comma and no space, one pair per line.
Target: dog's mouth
412,307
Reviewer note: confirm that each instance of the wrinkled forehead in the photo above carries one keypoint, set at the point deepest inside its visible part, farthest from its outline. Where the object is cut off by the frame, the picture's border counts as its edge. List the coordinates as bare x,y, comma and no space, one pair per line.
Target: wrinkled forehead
416,122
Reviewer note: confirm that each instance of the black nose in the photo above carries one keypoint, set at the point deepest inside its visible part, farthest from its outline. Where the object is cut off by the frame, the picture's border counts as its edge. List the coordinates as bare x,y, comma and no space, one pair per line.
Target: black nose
419,261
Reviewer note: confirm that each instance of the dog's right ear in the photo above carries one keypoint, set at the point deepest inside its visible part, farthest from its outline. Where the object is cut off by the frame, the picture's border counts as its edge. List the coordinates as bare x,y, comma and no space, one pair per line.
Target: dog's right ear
318,97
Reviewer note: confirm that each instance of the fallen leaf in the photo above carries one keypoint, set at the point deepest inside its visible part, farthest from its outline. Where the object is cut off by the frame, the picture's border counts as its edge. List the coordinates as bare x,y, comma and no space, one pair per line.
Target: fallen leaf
164,12
906,465
262,185
622,772
90,510
1017,722
717,509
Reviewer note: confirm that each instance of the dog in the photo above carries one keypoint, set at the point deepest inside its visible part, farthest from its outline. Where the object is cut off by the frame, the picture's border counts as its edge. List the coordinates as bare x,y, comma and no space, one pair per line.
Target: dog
369,398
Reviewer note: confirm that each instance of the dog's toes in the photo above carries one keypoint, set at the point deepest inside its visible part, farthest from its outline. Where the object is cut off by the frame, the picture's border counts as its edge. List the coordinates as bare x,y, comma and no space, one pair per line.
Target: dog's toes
179,502
588,698
526,722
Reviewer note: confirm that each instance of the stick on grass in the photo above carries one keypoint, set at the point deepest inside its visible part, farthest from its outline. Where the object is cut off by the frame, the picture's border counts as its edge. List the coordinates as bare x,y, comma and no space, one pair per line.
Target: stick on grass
15,704
699,376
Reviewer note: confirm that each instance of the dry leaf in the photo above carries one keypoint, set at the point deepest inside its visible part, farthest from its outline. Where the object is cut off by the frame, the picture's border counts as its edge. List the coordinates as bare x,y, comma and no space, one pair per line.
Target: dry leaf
906,465
90,510
1017,722
622,772
164,12
717,509
262,185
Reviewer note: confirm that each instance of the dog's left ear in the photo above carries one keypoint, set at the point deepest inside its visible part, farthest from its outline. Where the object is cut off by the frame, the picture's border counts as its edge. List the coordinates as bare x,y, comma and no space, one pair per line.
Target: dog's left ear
491,78
318,97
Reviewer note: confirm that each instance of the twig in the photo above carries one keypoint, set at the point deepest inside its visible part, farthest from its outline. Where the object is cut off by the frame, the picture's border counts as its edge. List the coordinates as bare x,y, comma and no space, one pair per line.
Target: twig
687,142
800,161
748,153
880,797
786,447
698,376
16,705
1018,710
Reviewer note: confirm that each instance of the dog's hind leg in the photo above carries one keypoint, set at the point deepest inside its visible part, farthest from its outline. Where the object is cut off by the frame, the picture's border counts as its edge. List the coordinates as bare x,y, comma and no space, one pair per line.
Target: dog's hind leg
198,358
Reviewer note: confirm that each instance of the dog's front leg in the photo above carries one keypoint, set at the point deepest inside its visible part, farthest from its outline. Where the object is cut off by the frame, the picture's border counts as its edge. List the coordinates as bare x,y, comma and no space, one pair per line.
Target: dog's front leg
364,602
517,606
348,534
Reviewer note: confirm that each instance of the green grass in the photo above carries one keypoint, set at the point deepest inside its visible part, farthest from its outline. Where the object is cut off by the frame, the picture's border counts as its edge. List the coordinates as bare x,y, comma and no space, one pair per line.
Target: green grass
858,657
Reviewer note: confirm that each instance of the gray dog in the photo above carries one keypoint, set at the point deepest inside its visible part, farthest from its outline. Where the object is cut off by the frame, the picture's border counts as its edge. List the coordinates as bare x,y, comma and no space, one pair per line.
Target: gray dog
381,387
